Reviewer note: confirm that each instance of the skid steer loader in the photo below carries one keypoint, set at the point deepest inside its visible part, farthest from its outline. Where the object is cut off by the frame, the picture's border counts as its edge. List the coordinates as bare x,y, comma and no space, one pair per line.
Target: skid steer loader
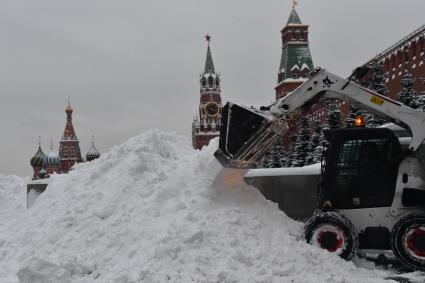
372,186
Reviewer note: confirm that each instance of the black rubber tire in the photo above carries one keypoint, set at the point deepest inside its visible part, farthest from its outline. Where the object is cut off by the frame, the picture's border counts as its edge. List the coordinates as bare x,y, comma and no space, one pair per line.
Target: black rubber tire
333,232
408,241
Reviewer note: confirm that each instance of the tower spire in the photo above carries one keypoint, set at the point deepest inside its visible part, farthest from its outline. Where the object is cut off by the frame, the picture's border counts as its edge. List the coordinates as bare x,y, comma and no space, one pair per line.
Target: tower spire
68,107
296,61
69,149
294,19
209,64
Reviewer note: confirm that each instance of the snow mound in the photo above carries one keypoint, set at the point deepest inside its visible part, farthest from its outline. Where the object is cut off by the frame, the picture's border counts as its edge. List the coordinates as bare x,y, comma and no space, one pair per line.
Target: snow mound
150,210
12,196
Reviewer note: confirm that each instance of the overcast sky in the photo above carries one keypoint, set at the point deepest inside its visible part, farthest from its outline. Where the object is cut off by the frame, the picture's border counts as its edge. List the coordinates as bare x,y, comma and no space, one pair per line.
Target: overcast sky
130,66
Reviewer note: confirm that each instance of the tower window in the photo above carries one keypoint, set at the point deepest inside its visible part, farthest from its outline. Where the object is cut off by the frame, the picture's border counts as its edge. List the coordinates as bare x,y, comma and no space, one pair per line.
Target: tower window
204,82
210,81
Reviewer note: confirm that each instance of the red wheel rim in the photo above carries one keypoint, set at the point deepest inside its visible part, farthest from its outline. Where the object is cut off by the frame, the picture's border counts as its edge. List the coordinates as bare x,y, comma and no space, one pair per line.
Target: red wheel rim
330,238
415,242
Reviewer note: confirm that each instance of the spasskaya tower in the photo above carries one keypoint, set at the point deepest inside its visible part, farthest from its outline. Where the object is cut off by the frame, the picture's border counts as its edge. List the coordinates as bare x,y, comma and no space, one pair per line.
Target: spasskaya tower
206,123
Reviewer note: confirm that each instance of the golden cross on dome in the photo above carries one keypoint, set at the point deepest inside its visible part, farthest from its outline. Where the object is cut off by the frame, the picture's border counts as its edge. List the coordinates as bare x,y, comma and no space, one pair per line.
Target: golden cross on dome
294,4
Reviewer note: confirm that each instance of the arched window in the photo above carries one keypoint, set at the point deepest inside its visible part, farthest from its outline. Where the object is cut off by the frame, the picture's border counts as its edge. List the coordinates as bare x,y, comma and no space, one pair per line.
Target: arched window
217,82
210,81
204,81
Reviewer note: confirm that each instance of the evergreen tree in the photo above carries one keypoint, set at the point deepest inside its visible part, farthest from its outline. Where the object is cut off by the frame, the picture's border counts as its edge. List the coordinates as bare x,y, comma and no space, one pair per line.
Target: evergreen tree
316,146
278,159
290,155
302,148
351,118
334,118
407,95
266,160
274,156
375,83
420,102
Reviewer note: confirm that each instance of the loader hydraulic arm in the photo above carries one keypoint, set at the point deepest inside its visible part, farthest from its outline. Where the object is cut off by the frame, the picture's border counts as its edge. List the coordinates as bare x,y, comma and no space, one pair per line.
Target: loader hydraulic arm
324,85
246,133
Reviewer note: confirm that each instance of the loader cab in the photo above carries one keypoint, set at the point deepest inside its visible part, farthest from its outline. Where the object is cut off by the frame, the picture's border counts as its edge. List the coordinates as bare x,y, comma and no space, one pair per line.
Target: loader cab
359,168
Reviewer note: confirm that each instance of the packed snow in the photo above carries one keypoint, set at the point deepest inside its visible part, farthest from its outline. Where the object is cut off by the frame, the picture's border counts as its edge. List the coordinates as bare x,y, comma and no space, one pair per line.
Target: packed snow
152,210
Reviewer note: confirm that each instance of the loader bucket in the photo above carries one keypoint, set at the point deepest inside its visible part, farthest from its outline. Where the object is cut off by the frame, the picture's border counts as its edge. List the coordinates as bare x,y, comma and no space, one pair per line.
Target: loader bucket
245,135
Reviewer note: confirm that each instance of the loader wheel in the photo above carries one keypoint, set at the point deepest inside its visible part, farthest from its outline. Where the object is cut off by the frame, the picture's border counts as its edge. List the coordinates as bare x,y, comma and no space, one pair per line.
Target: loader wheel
332,232
408,241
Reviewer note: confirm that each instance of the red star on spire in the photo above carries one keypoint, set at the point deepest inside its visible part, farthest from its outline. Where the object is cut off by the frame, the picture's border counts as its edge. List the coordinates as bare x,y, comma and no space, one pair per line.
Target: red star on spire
208,38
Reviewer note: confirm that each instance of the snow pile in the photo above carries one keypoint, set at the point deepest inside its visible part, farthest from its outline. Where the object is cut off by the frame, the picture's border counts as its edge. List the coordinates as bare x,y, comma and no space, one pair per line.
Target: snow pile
12,196
151,211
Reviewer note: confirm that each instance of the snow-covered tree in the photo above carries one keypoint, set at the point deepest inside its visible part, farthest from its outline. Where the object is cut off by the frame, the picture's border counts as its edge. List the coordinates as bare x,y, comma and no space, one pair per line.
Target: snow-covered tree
407,95
290,155
278,158
274,156
302,148
266,160
316,146
351,118
420,102
334,118
375,83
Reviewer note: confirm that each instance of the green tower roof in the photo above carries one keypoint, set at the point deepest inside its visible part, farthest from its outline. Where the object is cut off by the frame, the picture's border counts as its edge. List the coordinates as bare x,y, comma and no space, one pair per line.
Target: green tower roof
295,53
294,19
209,64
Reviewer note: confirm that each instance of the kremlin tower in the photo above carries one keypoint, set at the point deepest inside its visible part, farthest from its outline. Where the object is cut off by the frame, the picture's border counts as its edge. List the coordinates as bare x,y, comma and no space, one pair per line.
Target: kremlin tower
296,62
69,152
206,125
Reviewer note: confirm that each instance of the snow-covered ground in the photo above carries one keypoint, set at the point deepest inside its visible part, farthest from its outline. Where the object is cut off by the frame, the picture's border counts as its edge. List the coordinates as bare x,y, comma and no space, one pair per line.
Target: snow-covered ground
152,210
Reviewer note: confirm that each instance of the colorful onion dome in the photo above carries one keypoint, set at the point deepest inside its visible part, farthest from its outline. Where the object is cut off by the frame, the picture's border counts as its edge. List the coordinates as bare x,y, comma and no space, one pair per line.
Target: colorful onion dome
93,153
52,158
38,160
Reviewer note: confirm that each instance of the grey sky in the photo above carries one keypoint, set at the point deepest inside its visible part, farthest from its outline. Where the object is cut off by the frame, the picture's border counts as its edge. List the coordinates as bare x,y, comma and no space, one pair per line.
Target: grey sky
130,66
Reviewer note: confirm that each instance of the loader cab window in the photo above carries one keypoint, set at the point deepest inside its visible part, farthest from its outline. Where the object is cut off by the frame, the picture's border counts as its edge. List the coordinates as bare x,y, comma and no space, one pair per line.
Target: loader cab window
361,168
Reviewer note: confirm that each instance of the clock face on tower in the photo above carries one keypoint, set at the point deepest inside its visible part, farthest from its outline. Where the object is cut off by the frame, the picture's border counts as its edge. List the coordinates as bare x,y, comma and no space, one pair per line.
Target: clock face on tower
212,109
